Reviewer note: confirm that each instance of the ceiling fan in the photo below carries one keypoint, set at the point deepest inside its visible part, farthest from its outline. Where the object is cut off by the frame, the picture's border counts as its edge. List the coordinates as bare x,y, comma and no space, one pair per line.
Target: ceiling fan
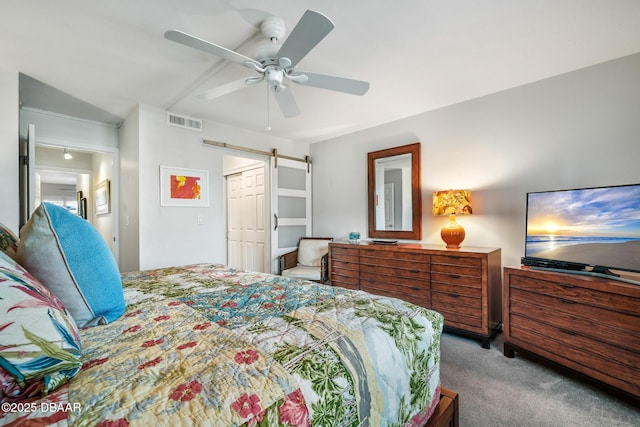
277,65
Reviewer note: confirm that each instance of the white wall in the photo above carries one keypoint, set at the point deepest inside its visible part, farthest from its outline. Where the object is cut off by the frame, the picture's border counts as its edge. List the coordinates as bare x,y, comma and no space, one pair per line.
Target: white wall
9,143
171,235
575,130
129,213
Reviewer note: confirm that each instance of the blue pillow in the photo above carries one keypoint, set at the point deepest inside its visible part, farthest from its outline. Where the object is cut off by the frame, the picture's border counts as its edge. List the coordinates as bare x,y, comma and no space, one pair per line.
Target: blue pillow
68,256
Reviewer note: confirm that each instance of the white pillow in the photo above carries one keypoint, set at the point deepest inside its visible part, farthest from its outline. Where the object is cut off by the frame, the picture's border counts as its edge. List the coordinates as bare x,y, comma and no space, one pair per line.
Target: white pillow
310,251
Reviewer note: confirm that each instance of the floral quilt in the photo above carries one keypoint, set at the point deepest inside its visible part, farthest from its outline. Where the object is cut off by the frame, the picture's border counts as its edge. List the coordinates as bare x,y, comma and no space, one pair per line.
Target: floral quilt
211,345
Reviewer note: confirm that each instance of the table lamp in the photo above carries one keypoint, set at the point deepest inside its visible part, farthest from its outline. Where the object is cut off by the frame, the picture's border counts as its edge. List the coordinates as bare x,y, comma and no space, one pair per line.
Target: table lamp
452,202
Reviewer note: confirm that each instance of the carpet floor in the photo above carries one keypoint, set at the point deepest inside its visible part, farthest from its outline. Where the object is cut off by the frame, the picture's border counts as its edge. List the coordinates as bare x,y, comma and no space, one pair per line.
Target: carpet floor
495,390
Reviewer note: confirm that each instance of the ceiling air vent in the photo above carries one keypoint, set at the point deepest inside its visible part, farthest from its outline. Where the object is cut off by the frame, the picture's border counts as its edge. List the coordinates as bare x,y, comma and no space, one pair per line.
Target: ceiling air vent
184,122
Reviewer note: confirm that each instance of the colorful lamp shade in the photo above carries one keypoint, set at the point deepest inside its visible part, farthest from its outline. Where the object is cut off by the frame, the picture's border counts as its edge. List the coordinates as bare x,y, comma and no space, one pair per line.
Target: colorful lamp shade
452,202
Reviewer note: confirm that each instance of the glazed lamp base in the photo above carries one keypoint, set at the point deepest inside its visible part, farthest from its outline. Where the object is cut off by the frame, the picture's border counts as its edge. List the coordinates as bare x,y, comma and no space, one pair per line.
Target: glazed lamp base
452,233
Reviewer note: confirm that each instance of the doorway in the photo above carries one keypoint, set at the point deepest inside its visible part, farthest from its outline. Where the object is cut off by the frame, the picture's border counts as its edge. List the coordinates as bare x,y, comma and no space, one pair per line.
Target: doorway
268,208
66,180
247,211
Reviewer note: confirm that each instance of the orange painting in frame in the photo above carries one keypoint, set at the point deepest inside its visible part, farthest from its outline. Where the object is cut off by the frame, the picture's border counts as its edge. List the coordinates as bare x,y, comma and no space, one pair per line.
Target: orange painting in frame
183,187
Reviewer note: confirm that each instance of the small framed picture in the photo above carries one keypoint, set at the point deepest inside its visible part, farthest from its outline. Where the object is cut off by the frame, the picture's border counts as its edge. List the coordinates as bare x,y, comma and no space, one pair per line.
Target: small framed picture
83,208
79,203
103,197
184,187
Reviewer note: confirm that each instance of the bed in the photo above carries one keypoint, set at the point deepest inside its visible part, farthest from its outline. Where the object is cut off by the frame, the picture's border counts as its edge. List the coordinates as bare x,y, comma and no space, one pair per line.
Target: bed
210,345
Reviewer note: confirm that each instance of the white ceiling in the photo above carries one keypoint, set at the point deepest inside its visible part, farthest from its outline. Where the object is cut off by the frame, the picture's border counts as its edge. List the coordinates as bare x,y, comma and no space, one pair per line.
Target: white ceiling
418,55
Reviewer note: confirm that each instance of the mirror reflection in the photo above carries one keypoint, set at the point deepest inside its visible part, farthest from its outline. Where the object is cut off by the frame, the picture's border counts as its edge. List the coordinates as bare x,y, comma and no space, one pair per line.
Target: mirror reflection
394,193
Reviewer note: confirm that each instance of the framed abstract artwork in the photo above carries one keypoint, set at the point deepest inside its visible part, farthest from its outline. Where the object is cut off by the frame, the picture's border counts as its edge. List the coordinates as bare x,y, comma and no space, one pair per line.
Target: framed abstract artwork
184,187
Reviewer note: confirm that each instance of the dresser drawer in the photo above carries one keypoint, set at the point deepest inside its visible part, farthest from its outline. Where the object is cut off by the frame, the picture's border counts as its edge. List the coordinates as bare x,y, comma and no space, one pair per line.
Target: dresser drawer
344,267
616,328
573,292
414,291
385,254
400,271
458,261
344,275
457,303
587,355
402,284
456,319
474,290
345,254
456,280
393,262
458,270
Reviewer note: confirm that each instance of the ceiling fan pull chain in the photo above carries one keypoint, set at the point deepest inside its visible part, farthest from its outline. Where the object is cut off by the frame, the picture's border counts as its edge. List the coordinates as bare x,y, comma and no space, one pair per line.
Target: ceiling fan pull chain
268,127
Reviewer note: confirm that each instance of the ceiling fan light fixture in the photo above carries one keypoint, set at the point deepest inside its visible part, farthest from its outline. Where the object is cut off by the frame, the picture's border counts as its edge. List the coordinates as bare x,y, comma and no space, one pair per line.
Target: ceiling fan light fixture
274,76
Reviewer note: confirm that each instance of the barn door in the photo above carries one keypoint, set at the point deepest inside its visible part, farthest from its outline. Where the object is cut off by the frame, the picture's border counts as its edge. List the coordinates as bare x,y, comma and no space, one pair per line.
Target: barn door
290,205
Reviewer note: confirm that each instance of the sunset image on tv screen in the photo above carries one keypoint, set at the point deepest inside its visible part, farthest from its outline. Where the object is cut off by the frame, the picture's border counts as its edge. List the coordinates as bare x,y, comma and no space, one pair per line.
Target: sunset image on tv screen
586,226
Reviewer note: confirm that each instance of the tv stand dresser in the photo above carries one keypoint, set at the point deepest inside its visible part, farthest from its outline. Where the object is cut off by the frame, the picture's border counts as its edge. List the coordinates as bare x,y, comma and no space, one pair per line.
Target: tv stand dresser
464,285
590,325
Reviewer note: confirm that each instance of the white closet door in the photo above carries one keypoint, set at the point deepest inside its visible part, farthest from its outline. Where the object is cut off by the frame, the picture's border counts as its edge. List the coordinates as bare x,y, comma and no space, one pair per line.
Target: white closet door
254,225
235,238
246,220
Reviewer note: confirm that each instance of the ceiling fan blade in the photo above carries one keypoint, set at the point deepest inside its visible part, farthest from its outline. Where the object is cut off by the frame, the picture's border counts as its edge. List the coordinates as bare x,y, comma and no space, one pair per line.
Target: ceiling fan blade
339,84
308,32
287,103
223,89
205,46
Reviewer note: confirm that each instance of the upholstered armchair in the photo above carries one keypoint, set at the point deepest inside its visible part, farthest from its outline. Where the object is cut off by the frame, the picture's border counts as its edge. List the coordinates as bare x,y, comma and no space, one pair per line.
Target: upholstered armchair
310,261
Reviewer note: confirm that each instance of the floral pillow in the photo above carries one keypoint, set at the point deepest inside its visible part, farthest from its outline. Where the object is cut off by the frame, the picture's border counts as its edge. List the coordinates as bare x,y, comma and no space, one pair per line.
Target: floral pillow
39,342
8,241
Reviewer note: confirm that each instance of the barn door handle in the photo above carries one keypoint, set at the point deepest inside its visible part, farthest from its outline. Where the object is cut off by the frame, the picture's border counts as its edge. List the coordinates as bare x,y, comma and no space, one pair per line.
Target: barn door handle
275,221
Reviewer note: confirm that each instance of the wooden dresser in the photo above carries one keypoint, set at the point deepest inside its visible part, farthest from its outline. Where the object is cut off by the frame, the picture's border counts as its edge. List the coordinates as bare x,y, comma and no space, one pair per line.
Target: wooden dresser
464,285
590,325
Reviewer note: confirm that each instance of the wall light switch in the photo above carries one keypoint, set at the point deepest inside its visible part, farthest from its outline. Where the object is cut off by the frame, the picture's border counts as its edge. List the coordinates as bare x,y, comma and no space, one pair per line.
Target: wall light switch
200,220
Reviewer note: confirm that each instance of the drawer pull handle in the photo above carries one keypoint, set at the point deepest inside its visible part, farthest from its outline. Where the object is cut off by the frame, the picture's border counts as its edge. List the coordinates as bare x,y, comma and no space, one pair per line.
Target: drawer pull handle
566,285
566,301
566,331
455,276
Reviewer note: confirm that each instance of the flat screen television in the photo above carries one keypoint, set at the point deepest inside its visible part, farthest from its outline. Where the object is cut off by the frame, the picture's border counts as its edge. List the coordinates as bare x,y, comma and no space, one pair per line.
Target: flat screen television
588,229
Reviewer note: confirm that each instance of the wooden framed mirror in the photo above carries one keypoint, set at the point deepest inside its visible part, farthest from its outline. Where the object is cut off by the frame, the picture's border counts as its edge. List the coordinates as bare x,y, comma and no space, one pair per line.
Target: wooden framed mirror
395,196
